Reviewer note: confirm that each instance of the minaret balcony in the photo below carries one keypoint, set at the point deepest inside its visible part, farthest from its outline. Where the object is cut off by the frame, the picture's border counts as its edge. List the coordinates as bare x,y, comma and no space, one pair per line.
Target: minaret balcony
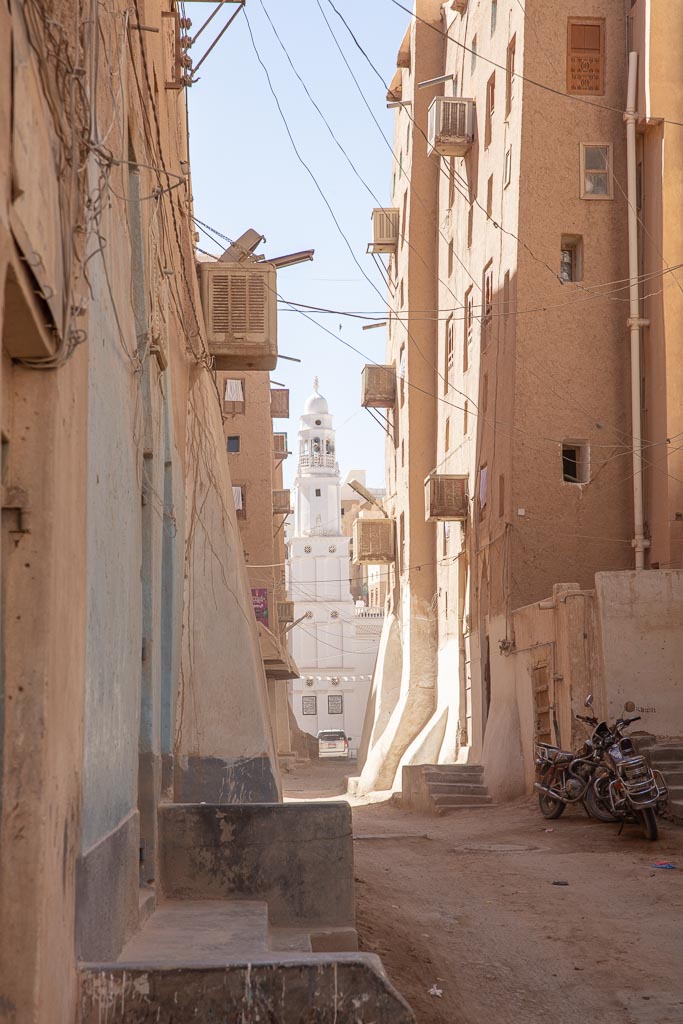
319,461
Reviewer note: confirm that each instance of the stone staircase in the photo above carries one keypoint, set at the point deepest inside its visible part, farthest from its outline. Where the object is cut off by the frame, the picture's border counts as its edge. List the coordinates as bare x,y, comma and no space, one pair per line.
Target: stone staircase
667,757
440,788
255,921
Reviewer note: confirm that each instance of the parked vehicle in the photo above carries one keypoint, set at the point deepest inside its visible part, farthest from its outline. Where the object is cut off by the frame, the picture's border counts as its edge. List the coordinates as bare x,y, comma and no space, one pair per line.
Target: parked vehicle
563,777
625,787
612,780
333,743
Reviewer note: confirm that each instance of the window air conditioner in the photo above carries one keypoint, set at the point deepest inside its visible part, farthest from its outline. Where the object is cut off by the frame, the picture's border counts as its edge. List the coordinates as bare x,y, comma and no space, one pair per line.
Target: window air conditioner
450,126
281,502
446,497
285,611
384,230
240,313
373,541
378,386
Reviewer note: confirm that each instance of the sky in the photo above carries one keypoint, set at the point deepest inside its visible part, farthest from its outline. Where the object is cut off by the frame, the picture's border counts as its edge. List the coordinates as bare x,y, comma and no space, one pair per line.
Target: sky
245,174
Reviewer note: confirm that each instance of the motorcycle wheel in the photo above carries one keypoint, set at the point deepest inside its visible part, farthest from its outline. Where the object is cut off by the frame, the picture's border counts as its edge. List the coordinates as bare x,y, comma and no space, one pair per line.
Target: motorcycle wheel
550,808
648,820
598,807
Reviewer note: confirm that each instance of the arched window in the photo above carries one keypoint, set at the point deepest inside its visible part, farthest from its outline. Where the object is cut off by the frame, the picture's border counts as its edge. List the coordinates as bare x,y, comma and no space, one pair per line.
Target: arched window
316,446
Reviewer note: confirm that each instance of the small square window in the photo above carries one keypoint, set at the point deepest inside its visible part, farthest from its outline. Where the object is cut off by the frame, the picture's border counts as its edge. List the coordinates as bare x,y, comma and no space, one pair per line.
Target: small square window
575,462
317,492
596,172
233,443
571,258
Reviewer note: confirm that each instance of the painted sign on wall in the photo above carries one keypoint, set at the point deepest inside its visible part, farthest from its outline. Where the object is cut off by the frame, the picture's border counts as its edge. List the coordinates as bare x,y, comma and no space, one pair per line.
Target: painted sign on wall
259,599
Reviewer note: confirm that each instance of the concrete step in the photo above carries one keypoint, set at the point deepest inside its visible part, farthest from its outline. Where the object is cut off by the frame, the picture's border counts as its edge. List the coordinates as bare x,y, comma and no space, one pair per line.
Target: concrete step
460,800
669,752
457,769
672,778
206,932
675,793
453,788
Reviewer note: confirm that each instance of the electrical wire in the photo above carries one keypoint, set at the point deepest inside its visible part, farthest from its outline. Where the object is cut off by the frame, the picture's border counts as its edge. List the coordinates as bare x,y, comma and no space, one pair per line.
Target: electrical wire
525,78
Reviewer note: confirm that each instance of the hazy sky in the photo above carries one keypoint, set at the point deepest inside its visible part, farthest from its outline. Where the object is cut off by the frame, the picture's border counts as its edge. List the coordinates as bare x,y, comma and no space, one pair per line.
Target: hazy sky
246,174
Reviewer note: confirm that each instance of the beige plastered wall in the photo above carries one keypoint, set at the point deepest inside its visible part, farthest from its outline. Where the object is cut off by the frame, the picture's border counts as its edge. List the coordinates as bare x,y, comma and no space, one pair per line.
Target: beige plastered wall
409,632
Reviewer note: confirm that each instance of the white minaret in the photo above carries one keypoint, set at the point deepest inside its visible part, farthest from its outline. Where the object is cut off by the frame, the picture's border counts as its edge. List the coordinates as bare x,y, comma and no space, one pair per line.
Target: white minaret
335,663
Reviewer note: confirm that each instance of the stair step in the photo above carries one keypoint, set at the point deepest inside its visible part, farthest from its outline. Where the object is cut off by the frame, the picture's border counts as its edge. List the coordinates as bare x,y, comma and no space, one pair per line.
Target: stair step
454,788
460,800
464,769
675,793
207,932
673,778
667,753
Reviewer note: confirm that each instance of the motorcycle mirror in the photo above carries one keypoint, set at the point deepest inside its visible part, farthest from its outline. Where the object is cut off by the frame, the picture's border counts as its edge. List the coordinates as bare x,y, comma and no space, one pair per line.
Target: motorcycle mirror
588,703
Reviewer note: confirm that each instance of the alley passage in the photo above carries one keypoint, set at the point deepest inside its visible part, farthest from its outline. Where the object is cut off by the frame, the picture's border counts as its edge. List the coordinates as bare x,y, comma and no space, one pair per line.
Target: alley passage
465,906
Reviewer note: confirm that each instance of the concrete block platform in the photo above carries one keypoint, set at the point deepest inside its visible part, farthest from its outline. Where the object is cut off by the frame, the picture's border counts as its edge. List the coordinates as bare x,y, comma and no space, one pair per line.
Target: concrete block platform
345,988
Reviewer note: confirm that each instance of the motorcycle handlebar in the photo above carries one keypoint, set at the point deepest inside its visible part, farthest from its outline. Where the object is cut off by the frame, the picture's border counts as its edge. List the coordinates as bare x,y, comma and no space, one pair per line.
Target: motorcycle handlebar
627,721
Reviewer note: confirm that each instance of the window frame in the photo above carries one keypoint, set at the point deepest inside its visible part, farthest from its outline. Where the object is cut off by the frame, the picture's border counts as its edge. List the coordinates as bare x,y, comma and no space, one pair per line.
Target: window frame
233,437
574,244
230,406
593,22
510,73
490,109
507,167
583,463
241,513
468,328
583,194
487,305
309,699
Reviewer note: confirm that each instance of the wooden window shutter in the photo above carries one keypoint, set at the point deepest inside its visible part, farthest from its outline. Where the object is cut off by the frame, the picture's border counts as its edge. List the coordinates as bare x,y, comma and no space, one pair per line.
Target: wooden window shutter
586,56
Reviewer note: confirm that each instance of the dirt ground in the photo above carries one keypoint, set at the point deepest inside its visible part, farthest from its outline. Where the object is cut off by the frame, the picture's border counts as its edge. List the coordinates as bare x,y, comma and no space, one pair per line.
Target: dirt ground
465,906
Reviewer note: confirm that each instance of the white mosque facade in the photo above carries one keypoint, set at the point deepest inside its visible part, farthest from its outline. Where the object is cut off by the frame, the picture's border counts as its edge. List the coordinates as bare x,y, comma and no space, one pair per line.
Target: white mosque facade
335,643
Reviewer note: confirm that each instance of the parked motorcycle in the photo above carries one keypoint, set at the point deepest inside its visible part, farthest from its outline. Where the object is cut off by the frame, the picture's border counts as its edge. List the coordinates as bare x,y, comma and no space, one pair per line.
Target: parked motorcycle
563,777
613,781
625,788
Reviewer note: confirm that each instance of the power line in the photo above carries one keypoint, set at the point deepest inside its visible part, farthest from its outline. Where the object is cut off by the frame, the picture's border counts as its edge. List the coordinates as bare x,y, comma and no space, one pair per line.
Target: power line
525,78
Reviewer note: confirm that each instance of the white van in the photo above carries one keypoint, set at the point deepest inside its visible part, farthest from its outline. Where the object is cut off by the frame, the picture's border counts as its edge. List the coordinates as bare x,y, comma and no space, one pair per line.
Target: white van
333,743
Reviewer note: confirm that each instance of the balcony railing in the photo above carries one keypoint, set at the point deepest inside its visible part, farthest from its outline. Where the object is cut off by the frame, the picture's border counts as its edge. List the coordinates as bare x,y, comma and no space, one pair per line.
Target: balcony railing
369,613
328,461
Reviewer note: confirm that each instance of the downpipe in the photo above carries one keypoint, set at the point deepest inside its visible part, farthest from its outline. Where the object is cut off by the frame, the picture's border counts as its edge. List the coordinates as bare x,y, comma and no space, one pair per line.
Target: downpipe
634,321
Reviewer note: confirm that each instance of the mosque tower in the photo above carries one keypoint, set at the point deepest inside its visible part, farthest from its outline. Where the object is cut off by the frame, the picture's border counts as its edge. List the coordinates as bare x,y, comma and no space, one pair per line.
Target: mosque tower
335,668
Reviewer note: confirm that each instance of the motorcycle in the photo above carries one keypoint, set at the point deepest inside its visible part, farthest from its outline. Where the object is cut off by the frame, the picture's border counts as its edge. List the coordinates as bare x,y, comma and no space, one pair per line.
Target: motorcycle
625,787
612,780
563,777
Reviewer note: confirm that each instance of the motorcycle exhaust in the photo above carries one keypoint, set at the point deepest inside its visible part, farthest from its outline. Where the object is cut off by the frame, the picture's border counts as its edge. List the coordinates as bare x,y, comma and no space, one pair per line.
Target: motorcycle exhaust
550,792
